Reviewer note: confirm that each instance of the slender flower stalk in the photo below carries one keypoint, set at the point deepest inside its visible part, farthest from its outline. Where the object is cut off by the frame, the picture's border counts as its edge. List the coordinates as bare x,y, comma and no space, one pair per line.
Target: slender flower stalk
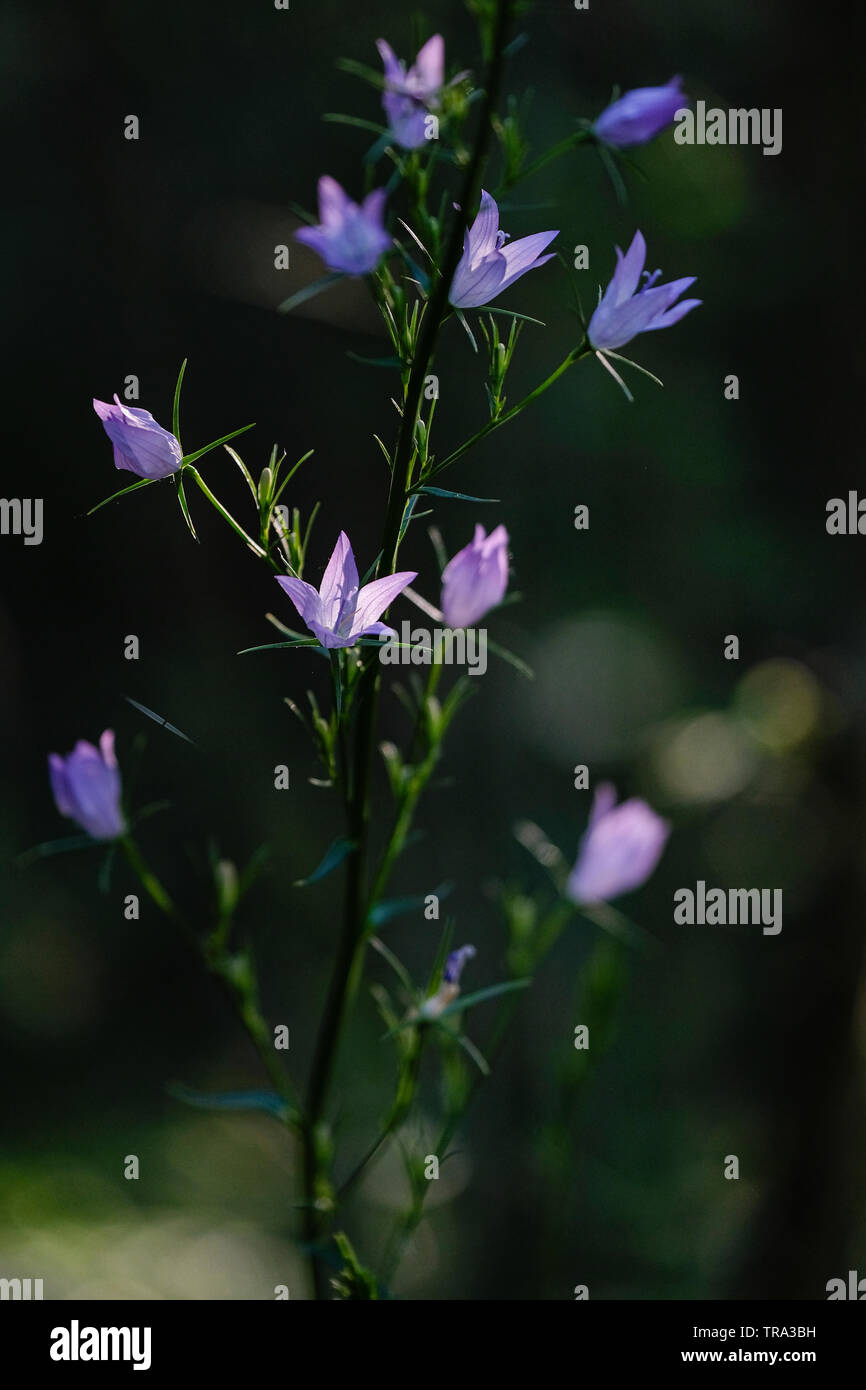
347,967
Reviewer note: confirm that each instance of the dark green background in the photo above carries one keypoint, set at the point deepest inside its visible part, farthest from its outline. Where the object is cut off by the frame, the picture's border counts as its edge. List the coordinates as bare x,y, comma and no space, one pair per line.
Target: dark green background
707,518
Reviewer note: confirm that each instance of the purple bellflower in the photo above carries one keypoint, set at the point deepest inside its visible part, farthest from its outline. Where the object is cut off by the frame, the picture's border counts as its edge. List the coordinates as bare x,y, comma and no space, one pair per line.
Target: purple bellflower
340,612
140,444
624,311
475,579
450,986
619,850
640,114
408,96
350,237
86,787
488,266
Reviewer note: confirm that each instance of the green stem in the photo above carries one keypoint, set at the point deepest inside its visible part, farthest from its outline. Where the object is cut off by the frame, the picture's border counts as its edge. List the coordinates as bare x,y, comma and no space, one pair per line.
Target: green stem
350,952
583,350
403,820
437,305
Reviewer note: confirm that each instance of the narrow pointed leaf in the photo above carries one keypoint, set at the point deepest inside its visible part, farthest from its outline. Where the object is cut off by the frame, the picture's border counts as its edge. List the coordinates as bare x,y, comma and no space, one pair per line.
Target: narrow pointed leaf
143,709
505,655
309,291
375,361
184,506
334,856
175,409
468,1001
268,1101
199,453
246,472
458,496
509,313
133,487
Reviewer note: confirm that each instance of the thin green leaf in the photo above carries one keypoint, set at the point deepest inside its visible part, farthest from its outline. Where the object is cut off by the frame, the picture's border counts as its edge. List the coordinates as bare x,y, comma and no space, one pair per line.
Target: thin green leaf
468,1046
333,857
510,314
133,487
505,655
51,847
395,963
337,118
458,496
175,409
268,1101
375,361
158,719
184,506
407,515
637,366
309,292
462,319
246,472
468,1001
371,570
275,646
199,453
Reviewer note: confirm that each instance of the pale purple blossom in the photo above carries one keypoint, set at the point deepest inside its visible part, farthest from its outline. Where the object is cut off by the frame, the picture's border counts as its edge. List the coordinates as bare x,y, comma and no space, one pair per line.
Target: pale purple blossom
409,95
140,445
489,265
350,237
624,310
475,579
340,612
640,114
619,850
86,787
455,963
449,989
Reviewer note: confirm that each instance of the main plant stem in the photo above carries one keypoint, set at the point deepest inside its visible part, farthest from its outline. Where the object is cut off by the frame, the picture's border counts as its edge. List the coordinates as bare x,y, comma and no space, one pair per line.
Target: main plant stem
350,952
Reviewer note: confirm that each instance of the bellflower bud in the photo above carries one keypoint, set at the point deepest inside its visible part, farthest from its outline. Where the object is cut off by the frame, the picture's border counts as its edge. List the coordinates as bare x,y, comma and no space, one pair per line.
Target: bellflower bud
140,445
620,849
640,114
86,787
475,579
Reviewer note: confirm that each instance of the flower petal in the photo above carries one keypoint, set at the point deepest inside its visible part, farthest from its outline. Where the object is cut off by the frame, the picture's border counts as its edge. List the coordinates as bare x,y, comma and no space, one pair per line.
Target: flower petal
483,232
333,201
303,596
428,71
472,287
374,598
339,585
